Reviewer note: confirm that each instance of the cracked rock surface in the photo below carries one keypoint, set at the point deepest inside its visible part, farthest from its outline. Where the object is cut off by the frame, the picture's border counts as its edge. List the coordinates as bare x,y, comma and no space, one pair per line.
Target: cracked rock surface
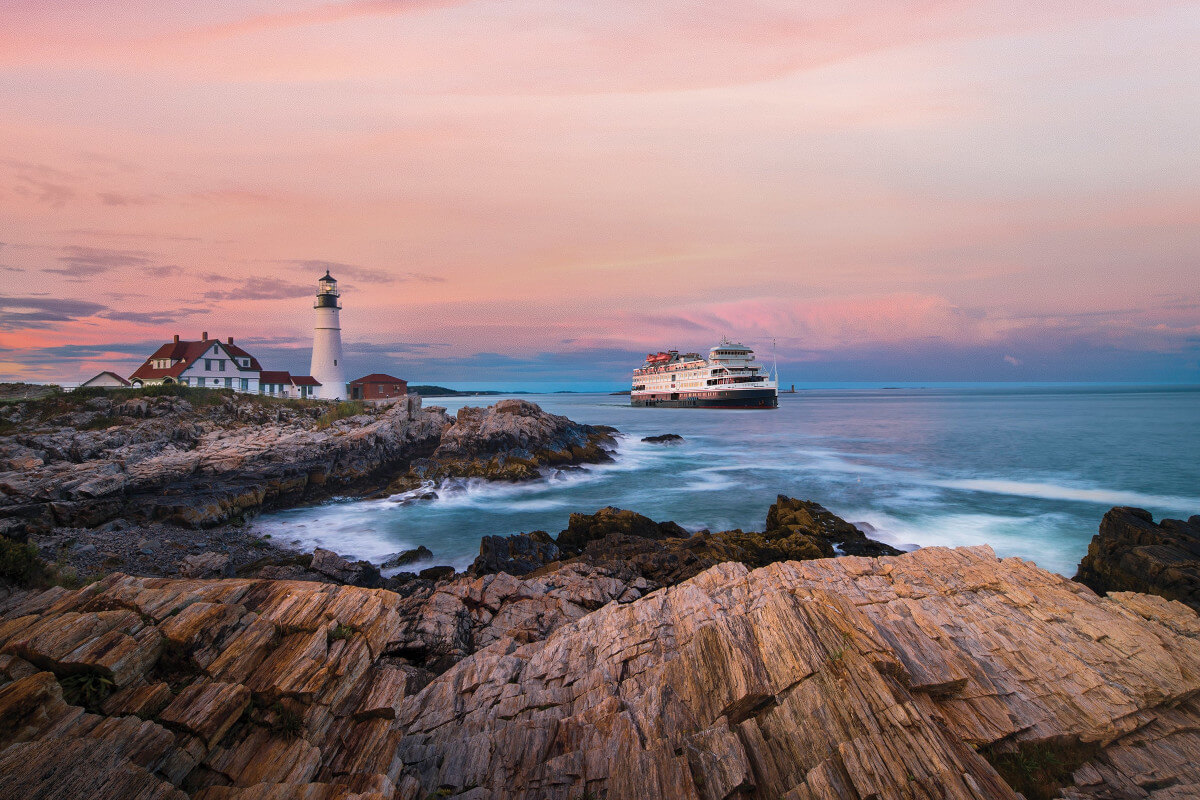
855,677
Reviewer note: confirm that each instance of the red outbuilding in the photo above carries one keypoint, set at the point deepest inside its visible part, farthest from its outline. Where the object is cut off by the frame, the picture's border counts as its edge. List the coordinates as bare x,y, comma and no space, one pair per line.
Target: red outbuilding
377,386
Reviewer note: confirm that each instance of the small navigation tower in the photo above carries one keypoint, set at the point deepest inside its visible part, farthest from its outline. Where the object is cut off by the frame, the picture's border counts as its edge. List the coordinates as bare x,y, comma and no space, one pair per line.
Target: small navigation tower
327,342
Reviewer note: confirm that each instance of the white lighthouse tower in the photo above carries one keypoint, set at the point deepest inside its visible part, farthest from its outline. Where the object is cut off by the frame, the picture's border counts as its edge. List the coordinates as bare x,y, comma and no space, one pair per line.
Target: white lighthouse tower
327,342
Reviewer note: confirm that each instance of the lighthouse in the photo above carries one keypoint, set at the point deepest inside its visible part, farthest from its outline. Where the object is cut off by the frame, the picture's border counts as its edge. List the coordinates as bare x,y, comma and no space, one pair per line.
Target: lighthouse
327,342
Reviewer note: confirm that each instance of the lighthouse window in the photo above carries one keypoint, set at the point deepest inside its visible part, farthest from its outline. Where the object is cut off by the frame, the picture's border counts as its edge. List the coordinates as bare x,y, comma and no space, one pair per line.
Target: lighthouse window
335,362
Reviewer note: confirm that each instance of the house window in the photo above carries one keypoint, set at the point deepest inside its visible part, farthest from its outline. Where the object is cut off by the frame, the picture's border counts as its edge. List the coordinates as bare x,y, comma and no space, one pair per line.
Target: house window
220,365
245,384
229,383
208,365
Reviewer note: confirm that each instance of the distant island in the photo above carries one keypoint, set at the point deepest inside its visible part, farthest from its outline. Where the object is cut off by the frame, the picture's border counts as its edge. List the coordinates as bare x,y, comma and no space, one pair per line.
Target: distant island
442,391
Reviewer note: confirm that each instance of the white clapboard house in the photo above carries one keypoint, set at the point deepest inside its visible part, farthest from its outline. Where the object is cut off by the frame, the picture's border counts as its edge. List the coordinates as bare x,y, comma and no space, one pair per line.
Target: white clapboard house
214,364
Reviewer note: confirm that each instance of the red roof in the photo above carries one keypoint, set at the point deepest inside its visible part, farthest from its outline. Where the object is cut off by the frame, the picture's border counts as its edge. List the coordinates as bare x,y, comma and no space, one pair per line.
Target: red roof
281,377
238,352
378,377
186,353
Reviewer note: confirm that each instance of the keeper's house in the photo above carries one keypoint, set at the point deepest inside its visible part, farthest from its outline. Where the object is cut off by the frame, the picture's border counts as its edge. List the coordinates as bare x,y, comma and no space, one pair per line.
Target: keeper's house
212,364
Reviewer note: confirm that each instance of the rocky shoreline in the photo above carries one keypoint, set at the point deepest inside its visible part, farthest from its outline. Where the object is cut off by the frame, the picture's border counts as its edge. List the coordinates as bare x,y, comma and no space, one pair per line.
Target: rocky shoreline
619,658
138,480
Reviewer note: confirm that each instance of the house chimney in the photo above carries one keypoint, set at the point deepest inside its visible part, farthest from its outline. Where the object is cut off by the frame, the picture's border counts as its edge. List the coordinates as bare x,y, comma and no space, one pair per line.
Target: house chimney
177,338
231,340
204,336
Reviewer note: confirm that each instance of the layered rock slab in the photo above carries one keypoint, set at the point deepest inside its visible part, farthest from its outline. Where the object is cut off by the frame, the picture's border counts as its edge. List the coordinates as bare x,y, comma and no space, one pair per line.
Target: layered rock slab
840,678
835,678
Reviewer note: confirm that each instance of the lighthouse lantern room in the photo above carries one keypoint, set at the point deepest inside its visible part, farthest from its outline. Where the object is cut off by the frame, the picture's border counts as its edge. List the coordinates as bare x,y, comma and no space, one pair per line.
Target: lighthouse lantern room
327,364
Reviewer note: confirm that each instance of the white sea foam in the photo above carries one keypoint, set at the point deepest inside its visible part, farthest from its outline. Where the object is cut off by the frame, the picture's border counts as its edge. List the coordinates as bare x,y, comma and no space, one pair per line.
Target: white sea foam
1051,491
708,479
1007,535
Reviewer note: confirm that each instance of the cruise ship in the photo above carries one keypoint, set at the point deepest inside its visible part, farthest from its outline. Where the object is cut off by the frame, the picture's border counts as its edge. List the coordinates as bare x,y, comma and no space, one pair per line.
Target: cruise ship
728,378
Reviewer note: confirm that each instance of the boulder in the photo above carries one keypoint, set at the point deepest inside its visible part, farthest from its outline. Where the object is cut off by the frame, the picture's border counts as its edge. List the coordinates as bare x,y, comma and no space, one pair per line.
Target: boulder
518,554
663,438
583,528
509,441
420,553
789,517
1132,553
206,565
436,573
340,570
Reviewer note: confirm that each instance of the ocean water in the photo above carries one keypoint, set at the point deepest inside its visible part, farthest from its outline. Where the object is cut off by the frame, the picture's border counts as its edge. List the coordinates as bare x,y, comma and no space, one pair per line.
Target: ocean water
1027,470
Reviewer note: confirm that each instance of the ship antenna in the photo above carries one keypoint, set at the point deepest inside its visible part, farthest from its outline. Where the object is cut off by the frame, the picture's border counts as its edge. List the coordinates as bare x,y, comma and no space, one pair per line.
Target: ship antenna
775,358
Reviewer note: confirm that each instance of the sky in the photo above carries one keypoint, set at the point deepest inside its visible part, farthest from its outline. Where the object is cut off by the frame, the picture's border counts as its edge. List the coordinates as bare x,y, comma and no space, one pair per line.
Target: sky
532,194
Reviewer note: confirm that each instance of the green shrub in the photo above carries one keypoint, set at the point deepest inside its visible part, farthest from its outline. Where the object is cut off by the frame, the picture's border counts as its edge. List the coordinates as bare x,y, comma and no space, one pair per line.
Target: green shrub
1038,770
20,564
87,689
288,722
340,632
343,410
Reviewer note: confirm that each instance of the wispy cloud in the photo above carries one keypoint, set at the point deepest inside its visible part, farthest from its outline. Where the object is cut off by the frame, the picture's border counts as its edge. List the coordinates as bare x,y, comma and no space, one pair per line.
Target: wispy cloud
339,269
85,262
42,312
259,288
123,199
155,317
41,183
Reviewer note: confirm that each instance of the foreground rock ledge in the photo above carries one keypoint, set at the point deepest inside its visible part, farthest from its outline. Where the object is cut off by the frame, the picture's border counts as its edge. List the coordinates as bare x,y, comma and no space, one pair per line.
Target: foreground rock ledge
835,678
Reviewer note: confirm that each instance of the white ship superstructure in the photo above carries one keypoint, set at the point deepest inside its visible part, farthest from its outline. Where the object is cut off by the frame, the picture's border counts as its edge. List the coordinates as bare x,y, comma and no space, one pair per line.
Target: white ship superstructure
728,378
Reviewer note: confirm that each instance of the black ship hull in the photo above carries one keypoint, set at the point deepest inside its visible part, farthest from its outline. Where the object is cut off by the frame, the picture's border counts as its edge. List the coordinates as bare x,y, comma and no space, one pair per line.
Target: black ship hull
745,398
